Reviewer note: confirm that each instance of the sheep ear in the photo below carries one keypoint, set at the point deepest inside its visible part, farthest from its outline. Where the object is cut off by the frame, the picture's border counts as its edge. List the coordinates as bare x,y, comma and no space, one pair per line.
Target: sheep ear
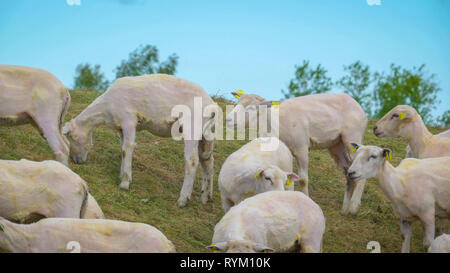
293,177
387,153
258,173
217,246
354,147
263,248
238,94
405,115
67,128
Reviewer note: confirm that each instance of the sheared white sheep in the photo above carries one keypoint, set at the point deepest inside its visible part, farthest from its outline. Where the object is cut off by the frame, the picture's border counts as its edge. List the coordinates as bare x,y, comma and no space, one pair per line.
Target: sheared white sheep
404,121
280,221
251,169
32,190
145,103
320,121
440,245
53,235
409,153
35,96
417,188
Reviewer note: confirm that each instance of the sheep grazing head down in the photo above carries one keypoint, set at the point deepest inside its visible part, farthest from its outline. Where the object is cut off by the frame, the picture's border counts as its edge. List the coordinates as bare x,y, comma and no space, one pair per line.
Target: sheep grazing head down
368,161
243,246
273,178
395,122
80,141
248,105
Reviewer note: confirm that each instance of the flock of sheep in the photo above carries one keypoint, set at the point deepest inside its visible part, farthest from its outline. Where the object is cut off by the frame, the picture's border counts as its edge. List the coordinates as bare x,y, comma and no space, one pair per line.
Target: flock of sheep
46,207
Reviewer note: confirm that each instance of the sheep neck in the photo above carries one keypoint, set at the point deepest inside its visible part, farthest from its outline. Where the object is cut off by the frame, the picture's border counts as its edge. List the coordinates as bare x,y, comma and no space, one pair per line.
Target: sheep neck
388,179
15,237
418,136
92,116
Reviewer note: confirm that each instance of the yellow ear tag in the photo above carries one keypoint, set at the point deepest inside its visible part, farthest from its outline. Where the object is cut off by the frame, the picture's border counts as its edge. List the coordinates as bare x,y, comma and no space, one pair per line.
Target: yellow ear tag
401,116
276,104
288,182
257,174
388,157
240,92
237,97
213,248
265,251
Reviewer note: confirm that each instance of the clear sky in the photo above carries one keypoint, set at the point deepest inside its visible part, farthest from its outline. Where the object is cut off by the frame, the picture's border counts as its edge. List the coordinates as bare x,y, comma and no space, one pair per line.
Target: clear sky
230,45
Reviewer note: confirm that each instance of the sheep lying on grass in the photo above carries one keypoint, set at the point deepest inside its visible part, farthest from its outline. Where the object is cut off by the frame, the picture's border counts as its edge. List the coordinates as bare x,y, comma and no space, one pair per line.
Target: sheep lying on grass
418,189
404,121
440,245
251,169
320,121
35,96
91,235
280,221
32,190
145,103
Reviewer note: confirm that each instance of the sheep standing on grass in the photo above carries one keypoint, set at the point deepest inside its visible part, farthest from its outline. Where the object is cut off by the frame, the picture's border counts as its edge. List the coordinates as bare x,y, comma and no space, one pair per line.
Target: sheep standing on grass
418,189
252,169
440,245
280,221
35,96
145,103
404,121
53,235
32,190
320,121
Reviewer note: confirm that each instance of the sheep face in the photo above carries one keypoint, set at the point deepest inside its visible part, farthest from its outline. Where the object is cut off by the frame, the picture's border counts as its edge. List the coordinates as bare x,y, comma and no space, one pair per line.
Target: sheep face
394,123
273,178
80,142
248,106
368,162
242,246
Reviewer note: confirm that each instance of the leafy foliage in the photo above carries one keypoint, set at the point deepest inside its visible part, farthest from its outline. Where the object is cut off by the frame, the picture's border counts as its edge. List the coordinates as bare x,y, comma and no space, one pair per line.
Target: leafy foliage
90,78
308,81
444,120
356,82
145,60
402,86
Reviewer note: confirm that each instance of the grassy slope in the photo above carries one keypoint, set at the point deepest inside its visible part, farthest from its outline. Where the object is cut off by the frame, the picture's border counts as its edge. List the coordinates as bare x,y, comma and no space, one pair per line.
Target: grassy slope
158,171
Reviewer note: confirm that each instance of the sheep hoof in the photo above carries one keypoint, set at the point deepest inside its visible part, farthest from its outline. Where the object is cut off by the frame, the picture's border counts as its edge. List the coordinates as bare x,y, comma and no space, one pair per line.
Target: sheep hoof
182,202
124,185
205,198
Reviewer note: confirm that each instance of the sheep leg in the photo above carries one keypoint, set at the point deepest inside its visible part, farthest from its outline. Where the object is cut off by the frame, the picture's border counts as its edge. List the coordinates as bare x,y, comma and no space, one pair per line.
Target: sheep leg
207,163
428,224
405,227
49,128
128,144
302,162
191,159
355,189
338,153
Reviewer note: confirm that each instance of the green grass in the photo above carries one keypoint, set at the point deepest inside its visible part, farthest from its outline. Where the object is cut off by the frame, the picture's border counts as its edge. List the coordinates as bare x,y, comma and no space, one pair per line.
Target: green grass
158,170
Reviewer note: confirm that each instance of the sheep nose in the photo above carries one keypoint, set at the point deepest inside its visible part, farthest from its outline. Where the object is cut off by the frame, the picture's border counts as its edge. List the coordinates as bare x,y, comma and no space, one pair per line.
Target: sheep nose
375,128
351,174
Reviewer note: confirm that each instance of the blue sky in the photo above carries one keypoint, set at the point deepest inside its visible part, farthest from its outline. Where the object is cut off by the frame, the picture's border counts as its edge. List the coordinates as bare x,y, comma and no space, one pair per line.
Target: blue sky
230,45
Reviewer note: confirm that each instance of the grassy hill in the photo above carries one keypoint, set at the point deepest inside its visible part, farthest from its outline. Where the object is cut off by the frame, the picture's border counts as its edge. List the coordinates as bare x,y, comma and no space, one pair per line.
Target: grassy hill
158,171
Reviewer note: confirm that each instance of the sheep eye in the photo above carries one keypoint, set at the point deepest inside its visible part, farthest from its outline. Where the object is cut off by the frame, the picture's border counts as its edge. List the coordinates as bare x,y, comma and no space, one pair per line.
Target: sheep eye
372,156
394,116
268,178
